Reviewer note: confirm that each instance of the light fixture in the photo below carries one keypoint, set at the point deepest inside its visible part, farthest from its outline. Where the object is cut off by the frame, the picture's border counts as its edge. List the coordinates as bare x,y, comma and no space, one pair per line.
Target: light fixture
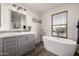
18,7
14,5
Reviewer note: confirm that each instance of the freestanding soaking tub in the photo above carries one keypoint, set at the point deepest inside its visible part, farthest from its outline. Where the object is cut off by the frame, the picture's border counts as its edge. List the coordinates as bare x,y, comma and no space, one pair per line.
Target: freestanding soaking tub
59,46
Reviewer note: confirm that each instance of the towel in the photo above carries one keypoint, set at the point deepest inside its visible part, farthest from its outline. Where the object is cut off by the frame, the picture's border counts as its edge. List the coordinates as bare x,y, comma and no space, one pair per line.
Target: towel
78,32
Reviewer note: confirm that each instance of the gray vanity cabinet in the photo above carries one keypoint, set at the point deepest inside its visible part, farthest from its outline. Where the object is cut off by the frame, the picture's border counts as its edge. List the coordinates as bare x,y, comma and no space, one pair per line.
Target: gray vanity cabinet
17,45
25,43
10,46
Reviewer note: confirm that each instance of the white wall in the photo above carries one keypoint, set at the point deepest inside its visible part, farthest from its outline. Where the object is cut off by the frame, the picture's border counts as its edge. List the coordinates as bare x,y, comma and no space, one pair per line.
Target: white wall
5,18
35,26
73,16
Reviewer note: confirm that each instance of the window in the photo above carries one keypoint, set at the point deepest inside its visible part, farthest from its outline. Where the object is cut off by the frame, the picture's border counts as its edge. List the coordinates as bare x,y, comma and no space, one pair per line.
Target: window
59,24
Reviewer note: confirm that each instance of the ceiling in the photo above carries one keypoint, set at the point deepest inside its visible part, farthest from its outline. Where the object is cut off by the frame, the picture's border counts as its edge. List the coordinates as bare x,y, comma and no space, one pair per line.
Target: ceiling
41,7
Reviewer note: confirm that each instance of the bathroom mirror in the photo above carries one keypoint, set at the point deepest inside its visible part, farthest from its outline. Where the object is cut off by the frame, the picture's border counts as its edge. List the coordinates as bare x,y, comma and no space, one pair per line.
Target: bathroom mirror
59,24
18,20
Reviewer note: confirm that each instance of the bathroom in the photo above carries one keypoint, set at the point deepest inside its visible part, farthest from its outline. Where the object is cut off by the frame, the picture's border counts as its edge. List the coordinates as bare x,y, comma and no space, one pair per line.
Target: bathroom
23,21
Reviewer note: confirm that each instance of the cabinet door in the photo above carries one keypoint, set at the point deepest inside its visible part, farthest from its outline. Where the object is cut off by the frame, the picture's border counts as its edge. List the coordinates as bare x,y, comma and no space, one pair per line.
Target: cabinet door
31,42
22,40
25,44
9,47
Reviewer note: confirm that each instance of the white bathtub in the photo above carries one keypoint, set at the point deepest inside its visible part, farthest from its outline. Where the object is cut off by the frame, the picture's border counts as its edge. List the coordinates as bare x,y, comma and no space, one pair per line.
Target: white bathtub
59,46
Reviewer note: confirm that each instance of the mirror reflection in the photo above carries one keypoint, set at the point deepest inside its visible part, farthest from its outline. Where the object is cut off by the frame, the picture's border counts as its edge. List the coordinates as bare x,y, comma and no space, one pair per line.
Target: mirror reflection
18,20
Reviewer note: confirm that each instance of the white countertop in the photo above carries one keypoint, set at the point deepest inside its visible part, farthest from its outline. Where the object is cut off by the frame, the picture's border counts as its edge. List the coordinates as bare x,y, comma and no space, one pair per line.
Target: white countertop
4,35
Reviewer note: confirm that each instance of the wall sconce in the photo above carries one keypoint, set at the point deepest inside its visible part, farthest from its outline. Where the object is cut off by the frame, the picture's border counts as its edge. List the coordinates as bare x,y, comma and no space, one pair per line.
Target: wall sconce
19,8
14,5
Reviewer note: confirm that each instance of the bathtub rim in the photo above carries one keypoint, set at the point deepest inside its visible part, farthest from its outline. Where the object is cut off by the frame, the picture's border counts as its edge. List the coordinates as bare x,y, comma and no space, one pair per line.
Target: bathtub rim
72,42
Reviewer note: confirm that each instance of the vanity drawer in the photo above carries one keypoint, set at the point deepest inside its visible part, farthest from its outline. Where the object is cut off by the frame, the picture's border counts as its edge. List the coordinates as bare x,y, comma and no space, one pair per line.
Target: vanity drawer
10,52
9,47
9,44
9,40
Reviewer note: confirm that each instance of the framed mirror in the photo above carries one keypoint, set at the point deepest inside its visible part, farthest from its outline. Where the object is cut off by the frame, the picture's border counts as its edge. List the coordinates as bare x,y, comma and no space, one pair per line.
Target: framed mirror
59,24
18,20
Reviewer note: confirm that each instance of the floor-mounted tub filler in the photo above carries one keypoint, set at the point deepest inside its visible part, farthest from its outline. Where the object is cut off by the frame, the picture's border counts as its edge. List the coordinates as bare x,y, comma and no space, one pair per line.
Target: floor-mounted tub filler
59,46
